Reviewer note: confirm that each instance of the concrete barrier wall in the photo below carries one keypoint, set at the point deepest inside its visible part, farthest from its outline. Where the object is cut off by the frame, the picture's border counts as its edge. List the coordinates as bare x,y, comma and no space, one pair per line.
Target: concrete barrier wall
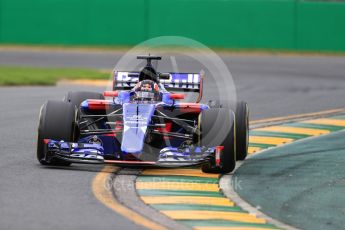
263,24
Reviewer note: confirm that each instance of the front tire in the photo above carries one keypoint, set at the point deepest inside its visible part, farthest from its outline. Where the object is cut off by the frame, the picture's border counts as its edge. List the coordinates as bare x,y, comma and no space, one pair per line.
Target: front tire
217,127
56,121
241,111
242,130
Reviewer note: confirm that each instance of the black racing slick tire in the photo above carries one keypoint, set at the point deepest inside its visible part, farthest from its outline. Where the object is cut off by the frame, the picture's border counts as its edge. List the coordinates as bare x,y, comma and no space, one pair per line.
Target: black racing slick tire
217,128
56,121
241,111
76,98
242,130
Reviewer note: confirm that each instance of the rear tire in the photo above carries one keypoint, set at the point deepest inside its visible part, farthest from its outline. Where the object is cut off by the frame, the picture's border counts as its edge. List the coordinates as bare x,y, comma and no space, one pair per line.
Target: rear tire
217,128
56,121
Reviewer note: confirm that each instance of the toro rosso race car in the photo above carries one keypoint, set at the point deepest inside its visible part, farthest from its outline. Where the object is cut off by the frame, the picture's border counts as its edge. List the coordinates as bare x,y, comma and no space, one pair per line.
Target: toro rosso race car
144,124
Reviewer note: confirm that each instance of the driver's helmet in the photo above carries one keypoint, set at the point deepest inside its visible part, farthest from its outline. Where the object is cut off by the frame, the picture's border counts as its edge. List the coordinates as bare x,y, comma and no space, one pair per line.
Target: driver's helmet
146,90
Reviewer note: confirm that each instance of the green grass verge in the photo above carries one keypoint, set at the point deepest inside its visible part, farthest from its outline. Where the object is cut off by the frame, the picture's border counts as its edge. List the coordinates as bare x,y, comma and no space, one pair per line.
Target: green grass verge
12,76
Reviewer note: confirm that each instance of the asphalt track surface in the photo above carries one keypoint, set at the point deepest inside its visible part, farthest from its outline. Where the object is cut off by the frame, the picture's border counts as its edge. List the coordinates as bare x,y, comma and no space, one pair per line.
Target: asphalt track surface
36,197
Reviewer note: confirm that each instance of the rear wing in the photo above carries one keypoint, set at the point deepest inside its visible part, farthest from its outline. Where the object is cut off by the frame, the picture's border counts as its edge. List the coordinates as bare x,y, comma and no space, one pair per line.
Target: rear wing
186,82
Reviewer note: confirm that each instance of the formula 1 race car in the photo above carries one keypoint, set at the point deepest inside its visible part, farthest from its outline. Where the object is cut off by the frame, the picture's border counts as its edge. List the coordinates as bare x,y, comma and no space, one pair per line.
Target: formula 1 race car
144,124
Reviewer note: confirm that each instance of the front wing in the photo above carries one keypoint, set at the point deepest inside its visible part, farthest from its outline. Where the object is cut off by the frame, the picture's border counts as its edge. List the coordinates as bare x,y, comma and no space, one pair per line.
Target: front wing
93,153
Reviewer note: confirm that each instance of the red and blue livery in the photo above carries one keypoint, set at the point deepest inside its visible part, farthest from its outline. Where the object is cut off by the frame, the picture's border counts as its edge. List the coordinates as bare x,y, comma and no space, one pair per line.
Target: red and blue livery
143,123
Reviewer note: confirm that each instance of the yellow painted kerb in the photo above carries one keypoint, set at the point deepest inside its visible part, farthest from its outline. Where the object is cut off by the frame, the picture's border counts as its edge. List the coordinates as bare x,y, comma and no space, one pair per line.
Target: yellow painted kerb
294,130
105,196
213,215
325,121
252,150
177,186
204,200
269,140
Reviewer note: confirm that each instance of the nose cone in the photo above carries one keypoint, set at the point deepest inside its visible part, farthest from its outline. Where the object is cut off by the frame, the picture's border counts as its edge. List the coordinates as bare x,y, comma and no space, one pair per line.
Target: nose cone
136,118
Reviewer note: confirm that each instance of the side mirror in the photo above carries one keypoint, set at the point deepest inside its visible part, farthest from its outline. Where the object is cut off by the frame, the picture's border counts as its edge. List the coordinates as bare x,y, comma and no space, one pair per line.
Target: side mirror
164,76
111,93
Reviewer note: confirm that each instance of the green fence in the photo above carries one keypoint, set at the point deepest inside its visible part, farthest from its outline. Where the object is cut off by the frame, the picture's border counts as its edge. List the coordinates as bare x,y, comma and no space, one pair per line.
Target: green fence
263,24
